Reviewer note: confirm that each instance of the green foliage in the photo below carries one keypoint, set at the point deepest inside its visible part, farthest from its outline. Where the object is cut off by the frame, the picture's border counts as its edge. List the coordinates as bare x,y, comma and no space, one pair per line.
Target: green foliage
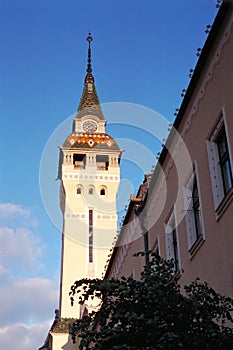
62,325
152,313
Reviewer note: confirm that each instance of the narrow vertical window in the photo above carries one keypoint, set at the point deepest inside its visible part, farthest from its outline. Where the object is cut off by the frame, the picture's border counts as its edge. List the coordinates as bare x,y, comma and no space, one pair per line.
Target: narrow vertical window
220,167
90,235
196,209
175,249
224,161
171,240
193,213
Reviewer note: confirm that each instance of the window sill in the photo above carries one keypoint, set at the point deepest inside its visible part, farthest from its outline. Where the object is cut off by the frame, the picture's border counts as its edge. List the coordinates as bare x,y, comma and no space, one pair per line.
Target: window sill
224,204
196,246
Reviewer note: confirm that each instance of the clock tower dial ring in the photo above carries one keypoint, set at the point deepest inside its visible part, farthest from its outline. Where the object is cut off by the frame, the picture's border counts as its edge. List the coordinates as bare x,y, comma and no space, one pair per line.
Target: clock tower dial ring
89,126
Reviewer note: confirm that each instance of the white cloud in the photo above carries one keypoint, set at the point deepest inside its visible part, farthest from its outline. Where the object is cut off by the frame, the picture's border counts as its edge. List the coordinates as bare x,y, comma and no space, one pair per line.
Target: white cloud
19,247
26,306
27,300
15,215
3,271
22,337
9,210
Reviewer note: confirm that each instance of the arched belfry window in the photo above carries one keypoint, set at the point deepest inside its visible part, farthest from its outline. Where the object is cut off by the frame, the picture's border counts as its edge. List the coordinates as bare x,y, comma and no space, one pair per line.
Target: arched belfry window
91,190
79,190
102,191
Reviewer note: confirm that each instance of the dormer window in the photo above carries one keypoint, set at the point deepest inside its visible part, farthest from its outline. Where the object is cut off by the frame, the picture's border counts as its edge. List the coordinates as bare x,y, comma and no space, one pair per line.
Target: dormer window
89,87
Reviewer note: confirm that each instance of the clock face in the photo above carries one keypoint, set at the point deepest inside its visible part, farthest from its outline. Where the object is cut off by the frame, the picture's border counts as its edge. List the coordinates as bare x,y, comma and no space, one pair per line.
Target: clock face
89,126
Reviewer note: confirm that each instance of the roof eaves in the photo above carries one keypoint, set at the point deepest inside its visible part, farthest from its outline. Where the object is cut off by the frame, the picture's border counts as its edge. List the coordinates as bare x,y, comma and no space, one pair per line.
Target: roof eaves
218,21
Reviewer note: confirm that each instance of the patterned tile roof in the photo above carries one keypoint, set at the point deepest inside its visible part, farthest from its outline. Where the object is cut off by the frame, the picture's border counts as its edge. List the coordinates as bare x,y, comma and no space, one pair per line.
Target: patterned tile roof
88,140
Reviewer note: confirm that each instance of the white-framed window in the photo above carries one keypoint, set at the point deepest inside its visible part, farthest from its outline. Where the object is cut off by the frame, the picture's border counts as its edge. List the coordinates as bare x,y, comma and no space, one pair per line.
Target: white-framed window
193,211
224,160
219,163
171,241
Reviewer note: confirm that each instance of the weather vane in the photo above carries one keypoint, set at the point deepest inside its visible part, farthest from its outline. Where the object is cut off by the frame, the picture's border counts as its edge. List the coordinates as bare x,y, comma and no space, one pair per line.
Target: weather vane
89,38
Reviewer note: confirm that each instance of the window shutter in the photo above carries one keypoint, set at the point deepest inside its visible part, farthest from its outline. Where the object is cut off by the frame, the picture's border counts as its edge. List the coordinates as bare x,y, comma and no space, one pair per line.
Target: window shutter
201,222
189,217
215,173
169,242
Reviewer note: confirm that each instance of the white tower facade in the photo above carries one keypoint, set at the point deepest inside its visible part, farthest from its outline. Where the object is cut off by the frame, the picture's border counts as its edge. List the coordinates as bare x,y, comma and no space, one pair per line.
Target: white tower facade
89,174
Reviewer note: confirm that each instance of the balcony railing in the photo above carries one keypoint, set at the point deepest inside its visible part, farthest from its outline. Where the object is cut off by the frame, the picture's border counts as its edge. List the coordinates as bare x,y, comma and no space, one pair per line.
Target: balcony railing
79,165
101,167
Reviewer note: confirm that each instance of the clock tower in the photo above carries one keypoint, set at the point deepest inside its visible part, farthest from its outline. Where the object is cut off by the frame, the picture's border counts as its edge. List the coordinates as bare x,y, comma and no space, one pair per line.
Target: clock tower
89,173
89,176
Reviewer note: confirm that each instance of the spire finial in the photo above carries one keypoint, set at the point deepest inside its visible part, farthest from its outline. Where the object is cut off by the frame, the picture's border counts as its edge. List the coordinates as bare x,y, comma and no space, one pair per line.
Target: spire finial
89,39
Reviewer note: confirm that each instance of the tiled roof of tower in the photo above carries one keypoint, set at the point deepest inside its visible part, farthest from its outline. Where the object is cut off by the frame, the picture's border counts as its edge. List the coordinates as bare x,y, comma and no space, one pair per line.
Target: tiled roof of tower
89,103
95,141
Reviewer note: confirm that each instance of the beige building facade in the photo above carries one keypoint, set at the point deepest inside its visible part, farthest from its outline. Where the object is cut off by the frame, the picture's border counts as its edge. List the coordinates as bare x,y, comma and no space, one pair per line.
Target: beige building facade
187,212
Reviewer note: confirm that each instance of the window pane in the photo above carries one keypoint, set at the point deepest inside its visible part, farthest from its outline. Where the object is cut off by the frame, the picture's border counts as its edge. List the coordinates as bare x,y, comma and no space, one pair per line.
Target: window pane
227,178
222,144
175,249
196,209
224,161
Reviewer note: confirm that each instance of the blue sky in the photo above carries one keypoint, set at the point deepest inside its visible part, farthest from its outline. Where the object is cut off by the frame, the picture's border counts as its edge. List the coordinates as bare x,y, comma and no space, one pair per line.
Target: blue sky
142,53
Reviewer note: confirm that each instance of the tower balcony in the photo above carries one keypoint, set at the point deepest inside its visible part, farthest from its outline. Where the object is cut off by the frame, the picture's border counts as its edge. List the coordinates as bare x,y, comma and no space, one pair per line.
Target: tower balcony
79,165
90,161
102,166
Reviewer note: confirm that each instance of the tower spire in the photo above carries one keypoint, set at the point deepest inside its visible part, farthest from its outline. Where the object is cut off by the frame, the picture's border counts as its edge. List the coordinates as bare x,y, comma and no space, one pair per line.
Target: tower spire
89,103
89,39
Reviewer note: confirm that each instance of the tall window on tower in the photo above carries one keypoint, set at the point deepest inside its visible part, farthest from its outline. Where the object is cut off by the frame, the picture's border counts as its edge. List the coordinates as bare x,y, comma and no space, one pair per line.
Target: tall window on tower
90,235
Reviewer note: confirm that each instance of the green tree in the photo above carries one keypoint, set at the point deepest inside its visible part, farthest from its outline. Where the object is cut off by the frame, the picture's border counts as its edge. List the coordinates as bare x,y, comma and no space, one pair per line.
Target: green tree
152,313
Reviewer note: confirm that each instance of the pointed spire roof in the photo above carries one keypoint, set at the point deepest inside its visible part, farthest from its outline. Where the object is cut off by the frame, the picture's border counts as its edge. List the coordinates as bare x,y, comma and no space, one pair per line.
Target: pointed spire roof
89,103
